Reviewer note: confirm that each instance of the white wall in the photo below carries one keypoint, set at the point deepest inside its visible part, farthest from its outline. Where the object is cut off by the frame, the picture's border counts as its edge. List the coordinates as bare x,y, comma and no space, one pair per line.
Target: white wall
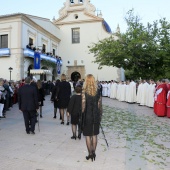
89,33
38,37
18,32
46,24
12,27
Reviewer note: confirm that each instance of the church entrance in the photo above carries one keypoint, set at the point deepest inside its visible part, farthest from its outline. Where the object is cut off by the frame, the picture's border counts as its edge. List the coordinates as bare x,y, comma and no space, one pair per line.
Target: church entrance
75,72
75,76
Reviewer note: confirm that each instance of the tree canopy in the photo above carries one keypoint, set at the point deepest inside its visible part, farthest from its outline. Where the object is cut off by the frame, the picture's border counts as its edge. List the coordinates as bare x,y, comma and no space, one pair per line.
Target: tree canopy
143,51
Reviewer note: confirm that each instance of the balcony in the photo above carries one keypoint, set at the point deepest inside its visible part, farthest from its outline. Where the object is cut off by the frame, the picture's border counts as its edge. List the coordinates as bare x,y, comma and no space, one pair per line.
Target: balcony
4,52
30,53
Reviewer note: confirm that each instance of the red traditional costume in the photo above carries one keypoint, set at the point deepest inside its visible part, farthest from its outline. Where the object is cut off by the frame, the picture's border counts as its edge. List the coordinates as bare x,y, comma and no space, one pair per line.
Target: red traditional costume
155,100
161,98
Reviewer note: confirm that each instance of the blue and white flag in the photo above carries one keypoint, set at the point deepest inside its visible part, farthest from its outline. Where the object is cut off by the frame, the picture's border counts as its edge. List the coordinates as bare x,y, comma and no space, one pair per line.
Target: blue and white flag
37,60
59,64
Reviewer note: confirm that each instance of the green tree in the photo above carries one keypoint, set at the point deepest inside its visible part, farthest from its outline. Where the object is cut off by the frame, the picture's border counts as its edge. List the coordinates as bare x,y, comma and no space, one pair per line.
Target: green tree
164,41
143,51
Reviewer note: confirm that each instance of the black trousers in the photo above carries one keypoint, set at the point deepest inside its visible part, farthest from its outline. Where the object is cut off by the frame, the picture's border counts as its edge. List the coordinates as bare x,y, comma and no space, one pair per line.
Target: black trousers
29,119
6,104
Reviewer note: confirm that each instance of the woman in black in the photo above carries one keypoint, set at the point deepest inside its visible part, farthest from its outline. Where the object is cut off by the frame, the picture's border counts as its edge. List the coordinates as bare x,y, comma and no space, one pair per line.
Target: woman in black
54,98
63,97
91,112
74,109
41,96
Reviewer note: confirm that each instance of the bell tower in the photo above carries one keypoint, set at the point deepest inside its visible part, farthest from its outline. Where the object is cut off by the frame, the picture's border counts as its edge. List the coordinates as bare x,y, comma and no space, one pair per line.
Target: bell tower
77,5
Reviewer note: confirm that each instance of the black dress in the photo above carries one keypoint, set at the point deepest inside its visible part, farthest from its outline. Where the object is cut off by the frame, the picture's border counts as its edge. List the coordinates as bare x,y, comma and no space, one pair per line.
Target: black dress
92,114
54,96
41,96
63,95
74,108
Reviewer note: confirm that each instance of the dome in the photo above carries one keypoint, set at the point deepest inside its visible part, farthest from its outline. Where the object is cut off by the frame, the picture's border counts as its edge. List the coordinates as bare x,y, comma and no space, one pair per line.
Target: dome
107,27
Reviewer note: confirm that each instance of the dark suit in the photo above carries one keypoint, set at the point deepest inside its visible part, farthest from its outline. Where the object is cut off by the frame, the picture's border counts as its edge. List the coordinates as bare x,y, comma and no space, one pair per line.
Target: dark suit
28,104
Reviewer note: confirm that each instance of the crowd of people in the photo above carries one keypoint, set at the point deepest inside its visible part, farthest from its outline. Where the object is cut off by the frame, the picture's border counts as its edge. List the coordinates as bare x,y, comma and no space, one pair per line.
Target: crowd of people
146,93
8,96
43,51
80,101
9,92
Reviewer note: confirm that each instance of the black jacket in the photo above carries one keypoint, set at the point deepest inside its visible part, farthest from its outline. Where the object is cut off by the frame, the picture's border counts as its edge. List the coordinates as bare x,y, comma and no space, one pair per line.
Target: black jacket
27,98
74,107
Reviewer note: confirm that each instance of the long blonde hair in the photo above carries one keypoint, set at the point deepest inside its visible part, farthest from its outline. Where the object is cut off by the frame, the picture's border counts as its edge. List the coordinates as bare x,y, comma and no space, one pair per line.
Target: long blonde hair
90,85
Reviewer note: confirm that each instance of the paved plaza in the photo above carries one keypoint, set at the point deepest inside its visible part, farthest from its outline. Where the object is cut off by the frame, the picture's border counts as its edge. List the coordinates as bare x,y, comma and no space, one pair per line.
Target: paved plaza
137,139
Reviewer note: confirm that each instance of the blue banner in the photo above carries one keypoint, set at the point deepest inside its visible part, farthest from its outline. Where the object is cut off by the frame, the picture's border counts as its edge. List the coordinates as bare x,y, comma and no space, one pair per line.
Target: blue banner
37,60
59,64
4,52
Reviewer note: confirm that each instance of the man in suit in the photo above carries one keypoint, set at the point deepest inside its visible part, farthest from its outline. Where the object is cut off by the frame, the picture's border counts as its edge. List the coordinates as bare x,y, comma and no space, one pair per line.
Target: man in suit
28,104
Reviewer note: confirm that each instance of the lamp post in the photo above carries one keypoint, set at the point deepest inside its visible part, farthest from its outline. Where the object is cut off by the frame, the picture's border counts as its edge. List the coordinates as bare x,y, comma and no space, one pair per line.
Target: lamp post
10,70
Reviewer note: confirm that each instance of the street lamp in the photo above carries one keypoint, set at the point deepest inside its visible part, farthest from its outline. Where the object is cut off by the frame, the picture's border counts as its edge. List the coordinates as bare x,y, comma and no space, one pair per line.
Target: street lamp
10,70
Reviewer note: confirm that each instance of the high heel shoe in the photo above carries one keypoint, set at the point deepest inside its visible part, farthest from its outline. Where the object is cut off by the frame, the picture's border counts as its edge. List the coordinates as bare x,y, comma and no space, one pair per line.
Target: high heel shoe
62,123
79,136
89,157
73,137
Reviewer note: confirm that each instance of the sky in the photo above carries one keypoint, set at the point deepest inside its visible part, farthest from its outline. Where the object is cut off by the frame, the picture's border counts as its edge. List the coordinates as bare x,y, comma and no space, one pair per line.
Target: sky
114,11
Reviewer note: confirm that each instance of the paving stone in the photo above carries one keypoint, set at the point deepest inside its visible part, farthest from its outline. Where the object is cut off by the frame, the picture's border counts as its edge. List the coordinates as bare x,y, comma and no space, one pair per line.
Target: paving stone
51,148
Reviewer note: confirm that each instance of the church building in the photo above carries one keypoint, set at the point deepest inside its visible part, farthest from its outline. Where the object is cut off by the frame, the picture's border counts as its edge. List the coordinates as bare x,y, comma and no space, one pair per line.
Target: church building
65,39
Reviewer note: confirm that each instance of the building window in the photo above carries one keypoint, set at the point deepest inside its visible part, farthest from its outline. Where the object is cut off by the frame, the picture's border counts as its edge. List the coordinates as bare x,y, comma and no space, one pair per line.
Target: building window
4,41
44,48
31,41
76,16
54,52
80,1
75,35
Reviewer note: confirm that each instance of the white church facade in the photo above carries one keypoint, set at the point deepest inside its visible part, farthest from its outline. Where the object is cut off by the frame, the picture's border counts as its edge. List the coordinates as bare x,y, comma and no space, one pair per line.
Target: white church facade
67,37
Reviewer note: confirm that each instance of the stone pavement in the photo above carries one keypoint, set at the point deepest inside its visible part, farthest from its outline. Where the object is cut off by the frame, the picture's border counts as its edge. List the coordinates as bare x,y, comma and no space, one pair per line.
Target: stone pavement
52,149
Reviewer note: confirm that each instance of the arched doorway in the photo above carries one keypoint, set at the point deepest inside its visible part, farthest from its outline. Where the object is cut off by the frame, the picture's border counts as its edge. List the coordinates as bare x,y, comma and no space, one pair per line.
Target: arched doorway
28,71
75,76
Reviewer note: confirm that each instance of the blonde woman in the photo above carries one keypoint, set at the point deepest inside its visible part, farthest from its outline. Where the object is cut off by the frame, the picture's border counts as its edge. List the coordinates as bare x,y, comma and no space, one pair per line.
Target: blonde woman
91,112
